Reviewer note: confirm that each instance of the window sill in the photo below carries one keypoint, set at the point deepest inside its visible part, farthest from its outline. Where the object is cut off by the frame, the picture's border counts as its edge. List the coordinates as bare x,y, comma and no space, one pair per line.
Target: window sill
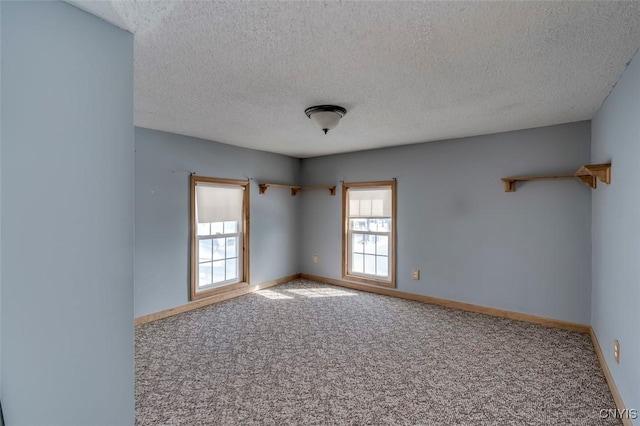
371,281
217,290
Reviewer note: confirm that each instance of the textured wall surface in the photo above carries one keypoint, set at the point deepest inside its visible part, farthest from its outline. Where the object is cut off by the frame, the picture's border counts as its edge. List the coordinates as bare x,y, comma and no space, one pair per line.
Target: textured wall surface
163,164
67,217
527,251
615,233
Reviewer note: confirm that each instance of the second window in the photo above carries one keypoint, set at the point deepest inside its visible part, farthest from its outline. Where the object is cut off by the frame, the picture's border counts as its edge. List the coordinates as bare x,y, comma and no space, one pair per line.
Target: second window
369,237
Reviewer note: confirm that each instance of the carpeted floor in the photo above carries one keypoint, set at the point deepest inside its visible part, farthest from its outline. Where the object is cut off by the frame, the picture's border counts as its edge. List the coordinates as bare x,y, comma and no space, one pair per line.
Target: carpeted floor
309,353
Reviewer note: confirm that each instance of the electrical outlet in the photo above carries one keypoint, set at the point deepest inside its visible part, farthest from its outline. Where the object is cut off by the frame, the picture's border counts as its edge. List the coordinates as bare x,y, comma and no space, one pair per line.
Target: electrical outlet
415,274
616,351
315,258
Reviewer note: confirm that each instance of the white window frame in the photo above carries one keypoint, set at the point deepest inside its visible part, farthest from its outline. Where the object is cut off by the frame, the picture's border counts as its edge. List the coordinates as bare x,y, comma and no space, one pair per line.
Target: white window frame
347,236
196,291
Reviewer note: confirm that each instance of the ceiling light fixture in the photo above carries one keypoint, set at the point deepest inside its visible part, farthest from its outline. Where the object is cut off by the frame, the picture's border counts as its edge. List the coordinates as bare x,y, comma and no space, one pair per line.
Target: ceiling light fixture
326,117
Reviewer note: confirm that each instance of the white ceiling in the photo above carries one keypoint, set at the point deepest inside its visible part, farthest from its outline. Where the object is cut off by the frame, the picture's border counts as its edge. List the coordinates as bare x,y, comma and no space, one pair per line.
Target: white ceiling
242,72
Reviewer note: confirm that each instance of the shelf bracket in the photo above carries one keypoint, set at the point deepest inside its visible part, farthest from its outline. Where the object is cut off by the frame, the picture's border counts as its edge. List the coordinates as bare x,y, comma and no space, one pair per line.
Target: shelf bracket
591,173
509,185
590,181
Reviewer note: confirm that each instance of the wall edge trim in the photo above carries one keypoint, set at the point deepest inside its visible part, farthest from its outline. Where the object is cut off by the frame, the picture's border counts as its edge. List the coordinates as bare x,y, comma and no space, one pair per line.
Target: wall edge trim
496,312
617,398
200,303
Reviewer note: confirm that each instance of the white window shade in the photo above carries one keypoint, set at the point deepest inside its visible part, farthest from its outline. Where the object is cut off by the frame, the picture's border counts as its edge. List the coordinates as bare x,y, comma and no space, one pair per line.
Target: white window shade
217,203
370,202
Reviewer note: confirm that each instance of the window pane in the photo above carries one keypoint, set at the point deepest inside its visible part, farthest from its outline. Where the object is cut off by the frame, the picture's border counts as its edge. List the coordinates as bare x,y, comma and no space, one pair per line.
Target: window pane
204,274
230,227
357,243
216,228
382,245
357,263
358,224
218,248
232,269
205,248
218,271
370,244
203,229
232,247
384,225
369,264
372,225
382,263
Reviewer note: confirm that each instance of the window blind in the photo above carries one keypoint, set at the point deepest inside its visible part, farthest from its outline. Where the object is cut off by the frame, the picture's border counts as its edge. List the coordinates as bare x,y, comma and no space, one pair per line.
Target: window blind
369,202
218,203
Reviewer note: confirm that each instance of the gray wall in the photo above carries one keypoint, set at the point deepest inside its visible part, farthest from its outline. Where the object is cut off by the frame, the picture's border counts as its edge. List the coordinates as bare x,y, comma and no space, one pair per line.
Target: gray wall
615,233
163,162
527,251
67,217
0,203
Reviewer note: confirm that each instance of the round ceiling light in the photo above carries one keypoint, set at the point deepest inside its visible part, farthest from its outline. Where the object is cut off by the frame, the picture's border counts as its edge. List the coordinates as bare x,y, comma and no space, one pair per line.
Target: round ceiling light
326,117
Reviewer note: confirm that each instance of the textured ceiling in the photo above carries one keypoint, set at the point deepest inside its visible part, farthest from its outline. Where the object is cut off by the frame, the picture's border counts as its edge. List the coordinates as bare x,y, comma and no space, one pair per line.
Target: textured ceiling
242,73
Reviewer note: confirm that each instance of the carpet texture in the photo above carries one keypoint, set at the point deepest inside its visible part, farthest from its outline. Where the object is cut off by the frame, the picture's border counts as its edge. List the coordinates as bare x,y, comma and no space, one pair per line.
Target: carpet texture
314,354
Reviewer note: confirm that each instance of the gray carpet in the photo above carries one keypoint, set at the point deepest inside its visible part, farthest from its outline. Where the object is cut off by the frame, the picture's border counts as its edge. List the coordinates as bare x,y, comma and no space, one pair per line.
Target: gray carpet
310,353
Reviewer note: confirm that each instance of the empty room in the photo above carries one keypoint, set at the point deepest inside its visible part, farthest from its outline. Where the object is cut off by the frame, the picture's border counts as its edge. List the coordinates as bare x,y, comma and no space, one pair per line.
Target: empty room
319,213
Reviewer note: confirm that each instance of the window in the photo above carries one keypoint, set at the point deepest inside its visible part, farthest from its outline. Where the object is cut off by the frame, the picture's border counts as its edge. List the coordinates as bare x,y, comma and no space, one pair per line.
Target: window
219,235
369,232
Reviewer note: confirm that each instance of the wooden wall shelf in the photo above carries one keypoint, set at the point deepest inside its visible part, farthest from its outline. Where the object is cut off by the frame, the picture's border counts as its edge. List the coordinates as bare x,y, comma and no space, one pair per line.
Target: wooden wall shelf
510,182
331,188
263,187
295,188
589,174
